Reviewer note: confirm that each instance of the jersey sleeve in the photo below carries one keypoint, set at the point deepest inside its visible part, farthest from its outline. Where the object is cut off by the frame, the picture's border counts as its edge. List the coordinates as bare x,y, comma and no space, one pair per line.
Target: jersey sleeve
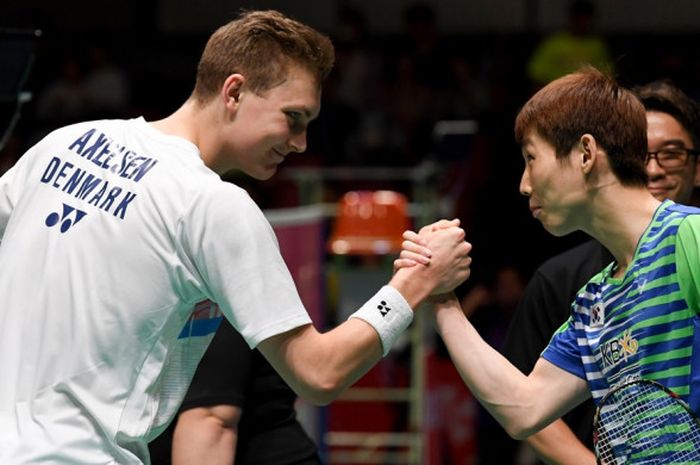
235,251
563,350
688,257
7,200
10,188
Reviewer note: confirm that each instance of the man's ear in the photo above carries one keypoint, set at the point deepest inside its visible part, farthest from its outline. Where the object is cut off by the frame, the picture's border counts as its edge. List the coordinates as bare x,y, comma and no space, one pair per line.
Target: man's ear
231,90
589,152
696,178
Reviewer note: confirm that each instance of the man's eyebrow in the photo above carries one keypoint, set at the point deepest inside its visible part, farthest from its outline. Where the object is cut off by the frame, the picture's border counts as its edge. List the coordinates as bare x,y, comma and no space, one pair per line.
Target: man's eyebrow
304,110
673,142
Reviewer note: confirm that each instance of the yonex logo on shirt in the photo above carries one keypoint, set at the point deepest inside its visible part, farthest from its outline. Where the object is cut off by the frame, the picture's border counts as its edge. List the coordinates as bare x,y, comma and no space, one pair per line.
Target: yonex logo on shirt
68,218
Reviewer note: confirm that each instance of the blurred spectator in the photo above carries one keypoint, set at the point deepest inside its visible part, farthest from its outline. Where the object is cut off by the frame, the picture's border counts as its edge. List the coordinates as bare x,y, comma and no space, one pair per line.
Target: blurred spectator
63,100
468,95
352,94
423,42
417,85
358,67
411,108
106,85
566,51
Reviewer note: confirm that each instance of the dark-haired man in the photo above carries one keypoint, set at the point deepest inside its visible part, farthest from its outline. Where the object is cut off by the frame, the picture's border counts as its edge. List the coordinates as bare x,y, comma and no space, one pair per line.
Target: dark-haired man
673,135
584,144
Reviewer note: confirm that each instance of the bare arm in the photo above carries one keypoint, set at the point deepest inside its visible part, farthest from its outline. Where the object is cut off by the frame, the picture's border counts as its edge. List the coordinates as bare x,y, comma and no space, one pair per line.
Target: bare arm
557,445
319,366
521,404
206,436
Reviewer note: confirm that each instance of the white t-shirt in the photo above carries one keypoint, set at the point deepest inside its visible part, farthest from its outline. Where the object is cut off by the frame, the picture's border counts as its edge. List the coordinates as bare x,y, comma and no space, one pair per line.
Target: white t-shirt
116,238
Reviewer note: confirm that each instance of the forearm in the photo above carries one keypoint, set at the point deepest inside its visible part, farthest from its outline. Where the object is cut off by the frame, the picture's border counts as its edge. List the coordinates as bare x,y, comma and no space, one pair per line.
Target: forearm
521,404
319,366
557,445
203,438
488,375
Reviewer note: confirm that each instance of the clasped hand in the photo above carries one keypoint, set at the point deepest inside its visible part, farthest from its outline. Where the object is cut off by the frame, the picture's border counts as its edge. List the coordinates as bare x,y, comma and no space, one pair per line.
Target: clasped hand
441,247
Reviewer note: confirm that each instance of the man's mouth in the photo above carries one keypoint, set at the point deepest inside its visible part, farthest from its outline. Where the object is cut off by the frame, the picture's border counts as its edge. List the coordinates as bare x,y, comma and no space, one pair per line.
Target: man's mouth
279,154
659,190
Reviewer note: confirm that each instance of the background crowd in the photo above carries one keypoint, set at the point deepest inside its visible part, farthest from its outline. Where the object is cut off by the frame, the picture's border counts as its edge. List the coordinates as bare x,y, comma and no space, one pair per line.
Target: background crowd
380,108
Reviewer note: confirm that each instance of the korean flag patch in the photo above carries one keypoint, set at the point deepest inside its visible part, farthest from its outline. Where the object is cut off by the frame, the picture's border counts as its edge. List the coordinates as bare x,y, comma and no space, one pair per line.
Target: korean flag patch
597,315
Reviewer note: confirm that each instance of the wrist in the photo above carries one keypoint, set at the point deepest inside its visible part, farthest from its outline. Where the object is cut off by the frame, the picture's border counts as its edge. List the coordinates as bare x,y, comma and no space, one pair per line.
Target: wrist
448,311
413,287
388,313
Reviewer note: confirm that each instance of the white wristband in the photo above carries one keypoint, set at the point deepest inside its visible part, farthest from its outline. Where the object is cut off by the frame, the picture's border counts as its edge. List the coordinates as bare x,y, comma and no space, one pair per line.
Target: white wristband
388,313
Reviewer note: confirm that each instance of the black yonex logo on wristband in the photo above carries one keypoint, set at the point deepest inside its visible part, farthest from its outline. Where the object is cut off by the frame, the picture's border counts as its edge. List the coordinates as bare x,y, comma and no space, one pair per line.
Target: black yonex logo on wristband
383,309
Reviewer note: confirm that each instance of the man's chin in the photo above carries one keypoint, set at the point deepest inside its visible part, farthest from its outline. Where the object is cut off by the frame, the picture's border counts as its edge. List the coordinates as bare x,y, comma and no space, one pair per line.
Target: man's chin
259,175
267,173
555,230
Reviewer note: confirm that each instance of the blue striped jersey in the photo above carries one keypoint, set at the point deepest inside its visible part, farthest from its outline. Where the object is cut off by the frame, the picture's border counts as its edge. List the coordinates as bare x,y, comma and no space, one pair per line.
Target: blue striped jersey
643,324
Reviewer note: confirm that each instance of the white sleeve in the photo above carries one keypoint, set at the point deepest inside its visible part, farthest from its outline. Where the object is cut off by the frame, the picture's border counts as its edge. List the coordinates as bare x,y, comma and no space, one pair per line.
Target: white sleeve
7,201
10,188
9,191
236,253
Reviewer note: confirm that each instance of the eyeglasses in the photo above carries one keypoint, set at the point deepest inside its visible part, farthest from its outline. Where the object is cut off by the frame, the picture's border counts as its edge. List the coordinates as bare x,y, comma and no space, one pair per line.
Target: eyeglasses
671,157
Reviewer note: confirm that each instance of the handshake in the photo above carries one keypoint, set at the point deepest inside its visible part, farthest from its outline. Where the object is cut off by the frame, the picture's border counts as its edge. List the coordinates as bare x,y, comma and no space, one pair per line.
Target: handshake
434,261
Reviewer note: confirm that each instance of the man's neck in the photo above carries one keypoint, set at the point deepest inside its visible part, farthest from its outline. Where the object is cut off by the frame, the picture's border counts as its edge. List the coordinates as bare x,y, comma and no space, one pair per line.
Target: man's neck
180,123
192,122
619,218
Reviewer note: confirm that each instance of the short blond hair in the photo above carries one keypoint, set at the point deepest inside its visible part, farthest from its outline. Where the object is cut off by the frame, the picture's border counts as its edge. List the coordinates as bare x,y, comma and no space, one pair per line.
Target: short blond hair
261,45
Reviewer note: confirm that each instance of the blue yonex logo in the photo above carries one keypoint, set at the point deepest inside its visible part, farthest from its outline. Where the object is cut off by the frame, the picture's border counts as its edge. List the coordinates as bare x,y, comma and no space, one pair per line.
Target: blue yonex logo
70,217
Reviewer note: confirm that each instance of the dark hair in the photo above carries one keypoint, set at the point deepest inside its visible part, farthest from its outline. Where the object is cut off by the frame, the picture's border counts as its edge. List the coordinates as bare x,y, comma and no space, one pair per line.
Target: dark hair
261,45
589,101
664,97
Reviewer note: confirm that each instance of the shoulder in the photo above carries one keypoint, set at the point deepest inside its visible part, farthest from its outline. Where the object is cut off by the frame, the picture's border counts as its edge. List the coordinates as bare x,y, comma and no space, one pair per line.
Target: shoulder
685,210
217,194
219,207
672,218
689,226
77,129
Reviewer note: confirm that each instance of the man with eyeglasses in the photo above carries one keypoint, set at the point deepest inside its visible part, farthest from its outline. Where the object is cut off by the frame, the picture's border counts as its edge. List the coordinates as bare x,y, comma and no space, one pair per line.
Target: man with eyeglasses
671,158
673,133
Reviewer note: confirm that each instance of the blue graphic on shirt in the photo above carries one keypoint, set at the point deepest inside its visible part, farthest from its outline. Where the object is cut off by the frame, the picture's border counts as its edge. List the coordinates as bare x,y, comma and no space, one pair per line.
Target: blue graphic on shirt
68,218
204,320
